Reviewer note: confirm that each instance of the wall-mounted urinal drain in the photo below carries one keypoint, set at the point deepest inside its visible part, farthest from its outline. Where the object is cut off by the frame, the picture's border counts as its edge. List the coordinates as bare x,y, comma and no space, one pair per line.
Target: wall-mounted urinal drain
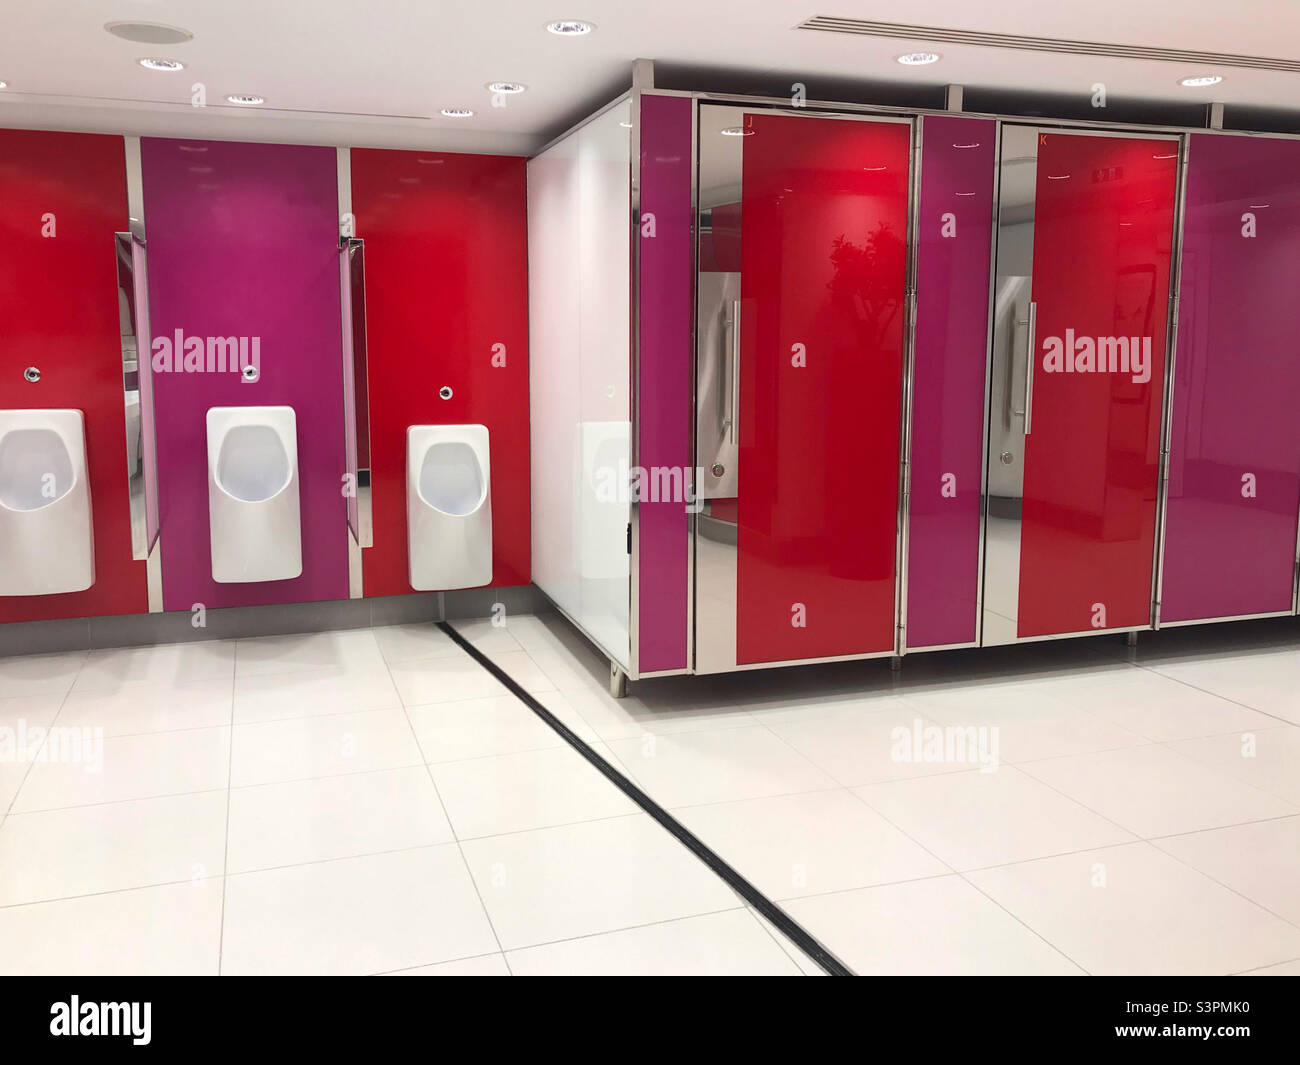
32,374
444,392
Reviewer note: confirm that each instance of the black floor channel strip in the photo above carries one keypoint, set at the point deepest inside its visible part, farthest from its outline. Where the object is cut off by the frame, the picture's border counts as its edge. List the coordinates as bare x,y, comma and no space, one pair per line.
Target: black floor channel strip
793,931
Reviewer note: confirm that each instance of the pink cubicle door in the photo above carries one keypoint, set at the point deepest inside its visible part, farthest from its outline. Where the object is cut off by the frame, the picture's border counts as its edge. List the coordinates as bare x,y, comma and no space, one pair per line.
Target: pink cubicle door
1234,465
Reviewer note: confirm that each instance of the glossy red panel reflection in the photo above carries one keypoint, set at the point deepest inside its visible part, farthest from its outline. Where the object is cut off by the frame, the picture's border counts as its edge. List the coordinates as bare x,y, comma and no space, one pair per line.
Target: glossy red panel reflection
823,256
1103,228
446,304
62,197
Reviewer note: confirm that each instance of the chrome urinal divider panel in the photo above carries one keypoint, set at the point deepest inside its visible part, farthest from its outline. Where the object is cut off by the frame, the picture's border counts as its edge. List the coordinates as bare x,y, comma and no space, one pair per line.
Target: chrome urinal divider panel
1171,354
133,309
346,235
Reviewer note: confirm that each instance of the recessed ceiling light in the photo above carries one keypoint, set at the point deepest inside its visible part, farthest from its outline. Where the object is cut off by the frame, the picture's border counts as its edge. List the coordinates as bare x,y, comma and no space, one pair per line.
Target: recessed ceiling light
1200,81
738,131
918,59
245,99
507,88
570,27
161,64
457,112
148,32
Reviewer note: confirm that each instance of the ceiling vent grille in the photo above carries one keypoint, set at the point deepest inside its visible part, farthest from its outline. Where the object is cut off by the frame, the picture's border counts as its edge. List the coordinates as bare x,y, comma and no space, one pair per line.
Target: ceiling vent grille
930,35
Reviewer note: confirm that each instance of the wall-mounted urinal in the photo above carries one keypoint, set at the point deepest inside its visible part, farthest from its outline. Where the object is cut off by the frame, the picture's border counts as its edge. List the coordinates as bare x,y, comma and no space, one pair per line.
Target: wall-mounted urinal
448,507
47,540
253,508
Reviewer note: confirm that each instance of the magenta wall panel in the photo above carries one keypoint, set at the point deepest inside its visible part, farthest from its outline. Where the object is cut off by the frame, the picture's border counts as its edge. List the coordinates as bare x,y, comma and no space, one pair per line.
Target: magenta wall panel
1234,471
664,382
243,242
954,249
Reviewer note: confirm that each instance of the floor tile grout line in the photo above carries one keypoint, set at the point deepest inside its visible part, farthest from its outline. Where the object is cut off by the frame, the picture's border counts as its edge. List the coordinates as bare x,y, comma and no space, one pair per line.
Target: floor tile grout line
32,763
966,880
711,859
778,939
446,816
1226,886
1271,965
1216,695
230,774
1190,761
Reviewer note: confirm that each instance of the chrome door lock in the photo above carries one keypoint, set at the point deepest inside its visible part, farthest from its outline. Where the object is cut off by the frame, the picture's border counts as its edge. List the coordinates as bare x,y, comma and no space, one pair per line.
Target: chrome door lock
444,392
1006,458
32,375
717,469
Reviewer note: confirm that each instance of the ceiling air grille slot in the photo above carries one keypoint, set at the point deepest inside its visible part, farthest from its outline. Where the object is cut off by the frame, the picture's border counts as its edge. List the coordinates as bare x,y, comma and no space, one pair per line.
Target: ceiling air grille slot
930,34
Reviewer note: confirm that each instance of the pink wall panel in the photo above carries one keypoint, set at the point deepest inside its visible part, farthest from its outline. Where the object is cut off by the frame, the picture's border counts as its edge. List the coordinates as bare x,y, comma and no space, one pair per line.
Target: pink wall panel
664,384
958,156
243,242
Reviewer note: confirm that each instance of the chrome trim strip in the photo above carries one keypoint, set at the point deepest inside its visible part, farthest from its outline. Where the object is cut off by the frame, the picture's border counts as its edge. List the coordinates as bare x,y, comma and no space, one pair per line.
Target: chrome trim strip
634,370
1171,355
988,386
1231,617
903,522
688,476
1103,128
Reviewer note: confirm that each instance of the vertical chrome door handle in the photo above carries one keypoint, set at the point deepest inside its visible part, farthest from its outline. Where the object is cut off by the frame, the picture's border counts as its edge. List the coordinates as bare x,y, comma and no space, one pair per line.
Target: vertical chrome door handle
734,392
1031,356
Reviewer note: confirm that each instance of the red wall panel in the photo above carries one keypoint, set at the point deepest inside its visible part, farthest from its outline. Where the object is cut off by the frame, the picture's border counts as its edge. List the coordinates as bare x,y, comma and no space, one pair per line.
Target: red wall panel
824,259
446,282
1103,232
58,306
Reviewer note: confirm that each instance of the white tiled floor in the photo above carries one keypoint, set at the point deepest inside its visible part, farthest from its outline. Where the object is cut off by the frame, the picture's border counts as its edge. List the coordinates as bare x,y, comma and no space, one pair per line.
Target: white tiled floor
375,801
1123,778
353,802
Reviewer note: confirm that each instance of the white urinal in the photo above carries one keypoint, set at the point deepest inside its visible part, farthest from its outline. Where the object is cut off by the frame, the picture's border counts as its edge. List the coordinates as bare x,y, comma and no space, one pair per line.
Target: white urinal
47,540
253,508
448,507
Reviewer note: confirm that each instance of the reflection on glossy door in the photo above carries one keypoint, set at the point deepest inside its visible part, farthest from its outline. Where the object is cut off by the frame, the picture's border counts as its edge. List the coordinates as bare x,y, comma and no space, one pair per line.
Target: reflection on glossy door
823,273
1081,535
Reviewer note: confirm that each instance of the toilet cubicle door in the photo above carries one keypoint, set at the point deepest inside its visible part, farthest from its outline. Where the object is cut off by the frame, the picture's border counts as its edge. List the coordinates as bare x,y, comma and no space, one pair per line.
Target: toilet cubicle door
1234,438
802,310
1081,308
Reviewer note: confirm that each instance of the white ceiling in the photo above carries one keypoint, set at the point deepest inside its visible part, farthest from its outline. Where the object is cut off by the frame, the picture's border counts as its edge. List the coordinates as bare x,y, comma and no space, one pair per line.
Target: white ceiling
377,72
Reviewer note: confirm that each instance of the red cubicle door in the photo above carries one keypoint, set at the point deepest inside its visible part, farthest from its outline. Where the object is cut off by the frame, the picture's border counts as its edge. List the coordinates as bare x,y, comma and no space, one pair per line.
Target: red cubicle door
1102,237
824,221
